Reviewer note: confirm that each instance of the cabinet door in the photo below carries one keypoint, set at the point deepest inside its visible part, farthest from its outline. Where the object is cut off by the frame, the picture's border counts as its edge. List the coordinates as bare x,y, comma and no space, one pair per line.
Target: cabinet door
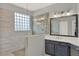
61,50
49,48
74,51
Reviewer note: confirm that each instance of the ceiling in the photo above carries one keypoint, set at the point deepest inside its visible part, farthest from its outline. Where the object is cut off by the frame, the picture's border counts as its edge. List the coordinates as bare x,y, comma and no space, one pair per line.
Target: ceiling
32,6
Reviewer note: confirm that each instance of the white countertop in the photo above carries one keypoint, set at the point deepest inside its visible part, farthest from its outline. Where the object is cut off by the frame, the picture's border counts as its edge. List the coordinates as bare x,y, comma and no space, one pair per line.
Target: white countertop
71,40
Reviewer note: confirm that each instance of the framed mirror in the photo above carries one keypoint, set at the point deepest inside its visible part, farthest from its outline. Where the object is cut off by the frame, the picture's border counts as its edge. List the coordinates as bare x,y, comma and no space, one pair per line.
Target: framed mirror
64,26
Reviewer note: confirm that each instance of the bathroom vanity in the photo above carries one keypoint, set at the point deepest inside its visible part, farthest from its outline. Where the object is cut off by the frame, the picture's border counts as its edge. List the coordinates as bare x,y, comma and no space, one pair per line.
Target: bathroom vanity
56,48
61,46
63,39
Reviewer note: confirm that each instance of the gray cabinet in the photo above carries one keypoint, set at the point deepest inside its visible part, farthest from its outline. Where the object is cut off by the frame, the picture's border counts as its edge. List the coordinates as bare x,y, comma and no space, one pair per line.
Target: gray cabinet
49,47
56,48
61,50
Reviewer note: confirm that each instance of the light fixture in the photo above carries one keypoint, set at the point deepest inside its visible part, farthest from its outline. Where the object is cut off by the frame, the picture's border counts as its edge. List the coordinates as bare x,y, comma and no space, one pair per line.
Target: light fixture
55,16
68,13
42,18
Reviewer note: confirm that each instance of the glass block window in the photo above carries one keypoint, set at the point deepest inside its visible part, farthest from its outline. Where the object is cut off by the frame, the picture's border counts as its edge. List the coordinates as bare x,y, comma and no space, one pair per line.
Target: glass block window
22,22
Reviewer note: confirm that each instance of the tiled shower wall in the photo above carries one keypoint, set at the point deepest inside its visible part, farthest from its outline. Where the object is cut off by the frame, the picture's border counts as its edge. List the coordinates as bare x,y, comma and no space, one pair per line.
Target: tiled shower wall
9,39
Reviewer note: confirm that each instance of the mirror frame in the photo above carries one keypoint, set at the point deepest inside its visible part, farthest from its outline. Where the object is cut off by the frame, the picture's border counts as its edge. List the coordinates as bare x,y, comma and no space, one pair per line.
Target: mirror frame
76,32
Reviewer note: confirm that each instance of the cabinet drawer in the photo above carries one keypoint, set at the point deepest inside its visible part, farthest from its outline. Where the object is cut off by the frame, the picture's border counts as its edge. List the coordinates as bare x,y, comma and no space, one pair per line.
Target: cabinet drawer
63,43
49,41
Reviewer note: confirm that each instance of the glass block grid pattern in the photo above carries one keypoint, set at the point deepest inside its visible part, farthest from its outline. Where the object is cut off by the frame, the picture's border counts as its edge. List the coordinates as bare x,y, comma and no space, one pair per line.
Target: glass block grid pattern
22,22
